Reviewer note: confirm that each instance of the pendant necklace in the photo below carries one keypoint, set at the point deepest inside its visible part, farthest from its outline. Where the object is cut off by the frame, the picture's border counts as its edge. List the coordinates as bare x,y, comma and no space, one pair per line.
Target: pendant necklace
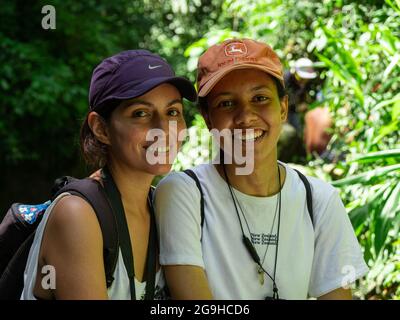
249,245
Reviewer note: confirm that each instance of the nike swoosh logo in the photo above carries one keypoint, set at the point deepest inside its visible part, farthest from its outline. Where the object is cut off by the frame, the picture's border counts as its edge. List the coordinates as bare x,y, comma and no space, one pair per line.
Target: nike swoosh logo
154,67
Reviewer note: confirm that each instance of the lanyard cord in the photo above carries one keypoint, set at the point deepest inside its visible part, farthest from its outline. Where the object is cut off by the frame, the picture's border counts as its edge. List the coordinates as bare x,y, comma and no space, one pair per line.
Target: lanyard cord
272,229
246,240
248,228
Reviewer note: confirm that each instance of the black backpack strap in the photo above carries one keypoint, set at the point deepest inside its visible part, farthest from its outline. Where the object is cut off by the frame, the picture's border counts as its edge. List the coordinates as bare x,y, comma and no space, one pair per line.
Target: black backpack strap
93,192
191,174
12,279
308,195
114,196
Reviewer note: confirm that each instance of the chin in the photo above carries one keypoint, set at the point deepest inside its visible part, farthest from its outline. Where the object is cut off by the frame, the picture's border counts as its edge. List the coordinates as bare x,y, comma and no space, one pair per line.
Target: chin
159,169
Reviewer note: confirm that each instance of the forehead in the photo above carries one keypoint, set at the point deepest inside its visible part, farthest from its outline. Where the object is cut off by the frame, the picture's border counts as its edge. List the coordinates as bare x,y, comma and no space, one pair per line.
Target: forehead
242,80
160,95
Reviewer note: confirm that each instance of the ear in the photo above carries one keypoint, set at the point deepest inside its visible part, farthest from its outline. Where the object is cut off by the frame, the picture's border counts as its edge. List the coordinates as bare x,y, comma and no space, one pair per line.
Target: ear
99,127
284,108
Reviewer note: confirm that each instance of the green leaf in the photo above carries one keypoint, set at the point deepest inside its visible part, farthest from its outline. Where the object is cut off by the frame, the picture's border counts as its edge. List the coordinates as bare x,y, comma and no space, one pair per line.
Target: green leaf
394,6
390,128
396,111
359,215
375,156
366,176
385,103
386,219
344,75
391,66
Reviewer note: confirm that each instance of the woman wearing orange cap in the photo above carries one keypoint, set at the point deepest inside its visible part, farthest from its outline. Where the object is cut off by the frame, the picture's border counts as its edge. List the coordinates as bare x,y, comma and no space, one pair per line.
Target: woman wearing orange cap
264,235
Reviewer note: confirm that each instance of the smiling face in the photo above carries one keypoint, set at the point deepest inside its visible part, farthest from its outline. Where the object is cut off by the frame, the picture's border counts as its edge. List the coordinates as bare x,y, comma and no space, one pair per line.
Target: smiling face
248,99
127,131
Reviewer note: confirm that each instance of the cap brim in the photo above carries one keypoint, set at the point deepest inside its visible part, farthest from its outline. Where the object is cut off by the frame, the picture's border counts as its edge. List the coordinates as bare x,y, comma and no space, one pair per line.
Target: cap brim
209,85
184,86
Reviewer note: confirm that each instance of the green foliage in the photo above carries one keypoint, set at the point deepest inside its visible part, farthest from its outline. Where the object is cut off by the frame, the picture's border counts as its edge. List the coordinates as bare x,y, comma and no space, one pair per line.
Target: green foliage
46,74
198,148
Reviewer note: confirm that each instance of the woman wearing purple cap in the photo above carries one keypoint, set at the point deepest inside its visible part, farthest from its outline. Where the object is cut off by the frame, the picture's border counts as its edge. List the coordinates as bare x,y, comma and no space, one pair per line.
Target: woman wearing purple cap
269,232
131,94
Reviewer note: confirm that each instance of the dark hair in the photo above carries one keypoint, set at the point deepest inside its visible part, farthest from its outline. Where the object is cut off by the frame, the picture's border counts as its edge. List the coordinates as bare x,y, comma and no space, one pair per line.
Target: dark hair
94,151
203,105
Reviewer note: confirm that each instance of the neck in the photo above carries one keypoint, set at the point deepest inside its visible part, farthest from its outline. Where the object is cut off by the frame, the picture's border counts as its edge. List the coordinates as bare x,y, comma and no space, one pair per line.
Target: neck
134,187
262,182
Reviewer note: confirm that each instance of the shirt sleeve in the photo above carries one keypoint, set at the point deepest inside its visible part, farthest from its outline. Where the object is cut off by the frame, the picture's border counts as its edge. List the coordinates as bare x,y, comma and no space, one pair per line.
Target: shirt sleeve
338,259
177,208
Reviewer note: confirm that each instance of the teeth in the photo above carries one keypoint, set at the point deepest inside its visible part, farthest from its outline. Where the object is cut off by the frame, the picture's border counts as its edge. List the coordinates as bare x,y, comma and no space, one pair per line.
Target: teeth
162,150
250,136
159,149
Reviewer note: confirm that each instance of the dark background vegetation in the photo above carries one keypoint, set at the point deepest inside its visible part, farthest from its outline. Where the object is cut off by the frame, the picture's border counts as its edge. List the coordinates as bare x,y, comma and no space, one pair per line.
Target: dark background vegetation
45,77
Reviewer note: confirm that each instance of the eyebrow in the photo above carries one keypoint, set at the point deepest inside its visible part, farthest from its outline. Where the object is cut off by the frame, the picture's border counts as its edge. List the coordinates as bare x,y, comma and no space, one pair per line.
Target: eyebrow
261,87
227,93
146,103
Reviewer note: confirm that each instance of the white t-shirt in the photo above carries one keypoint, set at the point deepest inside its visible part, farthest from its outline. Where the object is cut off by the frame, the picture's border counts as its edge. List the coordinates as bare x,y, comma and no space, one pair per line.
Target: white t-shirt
311,260
119,289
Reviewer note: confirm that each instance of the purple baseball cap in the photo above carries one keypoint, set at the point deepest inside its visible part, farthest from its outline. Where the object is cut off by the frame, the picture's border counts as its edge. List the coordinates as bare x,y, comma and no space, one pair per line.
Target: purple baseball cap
130,74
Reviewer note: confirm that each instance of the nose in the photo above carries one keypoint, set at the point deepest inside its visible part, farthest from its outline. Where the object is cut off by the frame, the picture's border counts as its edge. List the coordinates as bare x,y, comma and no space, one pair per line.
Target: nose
163,124
168,127
245,115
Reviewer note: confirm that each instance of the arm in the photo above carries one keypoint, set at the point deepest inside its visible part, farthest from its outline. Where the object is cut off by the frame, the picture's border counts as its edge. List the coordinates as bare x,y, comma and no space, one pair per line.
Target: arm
73,245
338,260
338,294
187,282
177,203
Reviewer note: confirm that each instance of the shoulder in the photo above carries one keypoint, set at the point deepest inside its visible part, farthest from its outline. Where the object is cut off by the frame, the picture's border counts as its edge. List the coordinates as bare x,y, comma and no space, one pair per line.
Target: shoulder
177,197
321,190
176,187
72,209
325,197
73,245
174,178
73,219
179,179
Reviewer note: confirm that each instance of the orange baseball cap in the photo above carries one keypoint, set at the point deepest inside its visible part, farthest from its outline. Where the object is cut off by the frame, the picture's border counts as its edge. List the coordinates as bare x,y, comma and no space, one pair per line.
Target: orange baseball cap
233,54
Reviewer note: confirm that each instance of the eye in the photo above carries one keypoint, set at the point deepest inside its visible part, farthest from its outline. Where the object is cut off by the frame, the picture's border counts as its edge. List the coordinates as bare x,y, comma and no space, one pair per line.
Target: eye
225,104
140,114
174,113
261,98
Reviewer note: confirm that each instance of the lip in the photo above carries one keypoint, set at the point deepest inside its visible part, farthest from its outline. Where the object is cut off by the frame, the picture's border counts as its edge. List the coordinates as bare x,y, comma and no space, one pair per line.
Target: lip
158,150
257,131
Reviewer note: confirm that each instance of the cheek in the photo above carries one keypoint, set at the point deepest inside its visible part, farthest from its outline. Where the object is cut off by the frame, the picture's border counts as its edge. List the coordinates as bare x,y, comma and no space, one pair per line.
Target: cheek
124,135
220,121
273,116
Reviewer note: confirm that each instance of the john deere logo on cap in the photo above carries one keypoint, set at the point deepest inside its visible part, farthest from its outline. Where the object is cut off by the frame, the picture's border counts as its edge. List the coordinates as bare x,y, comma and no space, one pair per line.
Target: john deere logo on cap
235,49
